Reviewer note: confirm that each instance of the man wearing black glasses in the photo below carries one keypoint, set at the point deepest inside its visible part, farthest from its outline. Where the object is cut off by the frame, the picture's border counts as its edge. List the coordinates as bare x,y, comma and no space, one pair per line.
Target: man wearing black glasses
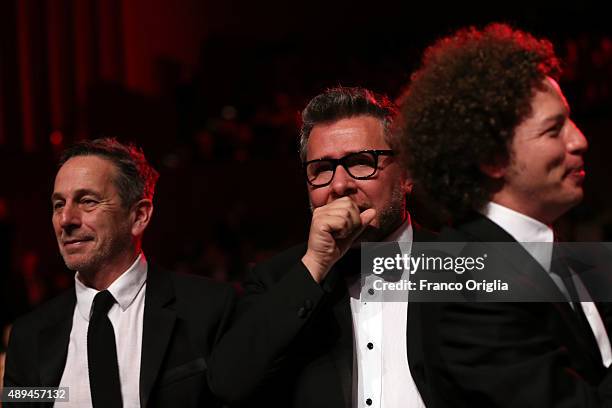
303,336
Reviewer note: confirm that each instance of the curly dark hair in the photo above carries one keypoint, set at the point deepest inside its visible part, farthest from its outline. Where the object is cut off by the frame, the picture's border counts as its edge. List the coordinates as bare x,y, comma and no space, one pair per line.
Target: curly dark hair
346,102
136,178
462,106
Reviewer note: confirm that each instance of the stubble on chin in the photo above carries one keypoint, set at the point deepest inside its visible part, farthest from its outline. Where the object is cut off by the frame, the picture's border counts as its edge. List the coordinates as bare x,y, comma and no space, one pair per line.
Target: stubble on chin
390,219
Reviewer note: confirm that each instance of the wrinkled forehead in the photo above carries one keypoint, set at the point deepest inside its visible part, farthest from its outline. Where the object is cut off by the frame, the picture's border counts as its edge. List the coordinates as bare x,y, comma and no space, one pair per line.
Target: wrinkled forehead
84,172
547,104
336,139
552,87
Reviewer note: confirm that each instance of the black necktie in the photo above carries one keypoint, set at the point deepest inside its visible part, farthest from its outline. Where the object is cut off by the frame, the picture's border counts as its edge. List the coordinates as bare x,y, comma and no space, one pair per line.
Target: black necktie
560,267
102,355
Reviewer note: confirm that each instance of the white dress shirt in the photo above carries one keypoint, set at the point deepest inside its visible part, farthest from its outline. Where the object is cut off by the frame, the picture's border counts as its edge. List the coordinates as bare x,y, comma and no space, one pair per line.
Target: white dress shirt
381,375
537,239
126,316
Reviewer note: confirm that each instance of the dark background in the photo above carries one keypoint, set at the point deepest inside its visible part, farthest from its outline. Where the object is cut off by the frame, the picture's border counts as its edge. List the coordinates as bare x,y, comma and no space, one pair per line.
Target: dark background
212,91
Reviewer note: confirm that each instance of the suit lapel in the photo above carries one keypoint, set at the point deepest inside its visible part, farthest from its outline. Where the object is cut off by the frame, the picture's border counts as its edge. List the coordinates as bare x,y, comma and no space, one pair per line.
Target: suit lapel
343,355
342,351
53,342
414,340
159,319
532,274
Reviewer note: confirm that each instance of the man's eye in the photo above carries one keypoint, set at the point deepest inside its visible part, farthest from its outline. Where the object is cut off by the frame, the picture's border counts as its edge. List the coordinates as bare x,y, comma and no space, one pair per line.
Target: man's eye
57,205
88,202
321,167
360,160
553,131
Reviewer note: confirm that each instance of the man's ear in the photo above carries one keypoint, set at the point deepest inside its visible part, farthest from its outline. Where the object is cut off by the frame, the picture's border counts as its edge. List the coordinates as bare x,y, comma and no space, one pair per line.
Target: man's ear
496,169
406,181
407,185
141,214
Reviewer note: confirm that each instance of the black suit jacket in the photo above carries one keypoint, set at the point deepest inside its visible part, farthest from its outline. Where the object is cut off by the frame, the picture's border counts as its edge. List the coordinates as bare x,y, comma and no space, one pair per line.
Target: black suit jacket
291,340
183,318
509,354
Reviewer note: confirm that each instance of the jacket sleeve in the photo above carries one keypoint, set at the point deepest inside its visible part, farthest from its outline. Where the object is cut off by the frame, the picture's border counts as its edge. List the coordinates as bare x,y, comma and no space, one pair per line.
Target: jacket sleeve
273,311
19,363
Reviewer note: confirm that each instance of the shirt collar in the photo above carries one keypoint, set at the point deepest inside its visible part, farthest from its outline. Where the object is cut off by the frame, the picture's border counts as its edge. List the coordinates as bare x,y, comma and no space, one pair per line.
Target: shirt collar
403,233
533,235
124,289
403,236
521,227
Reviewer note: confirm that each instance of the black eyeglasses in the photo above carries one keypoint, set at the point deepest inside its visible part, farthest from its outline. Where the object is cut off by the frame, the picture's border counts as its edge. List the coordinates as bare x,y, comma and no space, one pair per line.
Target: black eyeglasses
360,165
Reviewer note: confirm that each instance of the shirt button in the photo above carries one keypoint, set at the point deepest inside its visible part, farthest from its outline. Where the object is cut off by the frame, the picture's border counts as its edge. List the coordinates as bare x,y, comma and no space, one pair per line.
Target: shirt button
370,346
369,401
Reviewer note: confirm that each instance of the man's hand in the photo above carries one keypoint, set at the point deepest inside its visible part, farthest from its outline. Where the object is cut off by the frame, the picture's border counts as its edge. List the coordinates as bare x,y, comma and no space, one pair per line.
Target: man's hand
333,229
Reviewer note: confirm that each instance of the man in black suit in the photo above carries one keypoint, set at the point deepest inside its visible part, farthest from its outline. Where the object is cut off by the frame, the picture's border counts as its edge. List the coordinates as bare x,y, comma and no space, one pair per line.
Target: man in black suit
128,333
305,334
489,137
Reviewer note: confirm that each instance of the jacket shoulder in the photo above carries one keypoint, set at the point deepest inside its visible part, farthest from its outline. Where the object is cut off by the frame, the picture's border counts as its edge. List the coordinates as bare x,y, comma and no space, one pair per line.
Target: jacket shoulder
276,266
49,311
188,287
194,287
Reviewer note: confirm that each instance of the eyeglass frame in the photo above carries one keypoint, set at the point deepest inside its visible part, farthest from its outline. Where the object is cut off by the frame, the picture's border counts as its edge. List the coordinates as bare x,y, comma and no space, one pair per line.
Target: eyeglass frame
340,162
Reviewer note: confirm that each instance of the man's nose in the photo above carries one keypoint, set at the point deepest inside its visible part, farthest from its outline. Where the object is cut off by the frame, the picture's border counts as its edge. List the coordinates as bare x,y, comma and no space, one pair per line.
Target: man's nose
70,216
342,184
576,142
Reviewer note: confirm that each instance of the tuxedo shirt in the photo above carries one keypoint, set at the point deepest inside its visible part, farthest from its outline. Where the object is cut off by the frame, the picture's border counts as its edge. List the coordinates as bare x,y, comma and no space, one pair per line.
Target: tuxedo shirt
126,316
381,375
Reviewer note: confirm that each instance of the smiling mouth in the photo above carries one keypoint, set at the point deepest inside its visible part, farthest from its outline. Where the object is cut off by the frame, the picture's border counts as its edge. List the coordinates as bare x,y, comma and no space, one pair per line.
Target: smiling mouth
75,242
577,170
577,173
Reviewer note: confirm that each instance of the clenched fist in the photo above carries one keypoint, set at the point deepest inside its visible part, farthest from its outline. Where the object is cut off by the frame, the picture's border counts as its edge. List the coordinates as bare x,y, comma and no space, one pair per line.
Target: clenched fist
333,229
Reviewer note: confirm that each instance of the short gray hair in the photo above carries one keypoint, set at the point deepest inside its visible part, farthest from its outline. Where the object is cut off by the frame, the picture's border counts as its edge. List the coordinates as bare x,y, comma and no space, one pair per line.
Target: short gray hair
346,102
136,178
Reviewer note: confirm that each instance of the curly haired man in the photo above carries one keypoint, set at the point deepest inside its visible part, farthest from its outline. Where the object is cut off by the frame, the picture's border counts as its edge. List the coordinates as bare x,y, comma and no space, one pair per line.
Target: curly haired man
487,135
